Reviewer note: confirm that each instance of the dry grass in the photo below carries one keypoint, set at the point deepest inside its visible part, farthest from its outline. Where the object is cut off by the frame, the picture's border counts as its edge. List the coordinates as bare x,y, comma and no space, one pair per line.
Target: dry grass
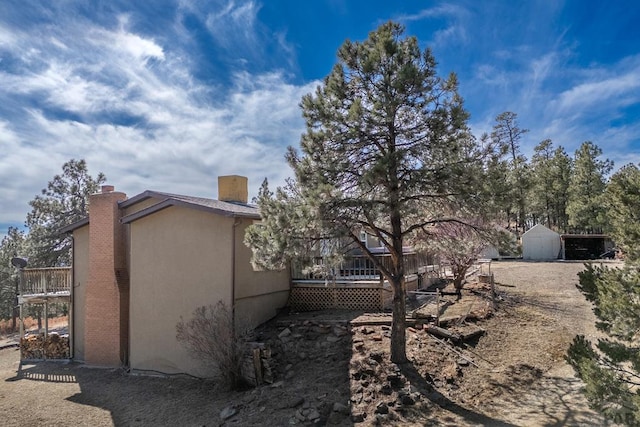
31,324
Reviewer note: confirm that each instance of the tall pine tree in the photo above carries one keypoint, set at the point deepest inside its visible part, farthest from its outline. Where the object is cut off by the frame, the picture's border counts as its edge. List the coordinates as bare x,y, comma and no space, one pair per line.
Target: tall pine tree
386,148
585,207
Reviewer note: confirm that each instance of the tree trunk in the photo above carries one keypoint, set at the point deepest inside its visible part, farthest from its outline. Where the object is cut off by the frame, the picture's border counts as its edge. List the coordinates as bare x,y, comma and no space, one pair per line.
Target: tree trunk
398,322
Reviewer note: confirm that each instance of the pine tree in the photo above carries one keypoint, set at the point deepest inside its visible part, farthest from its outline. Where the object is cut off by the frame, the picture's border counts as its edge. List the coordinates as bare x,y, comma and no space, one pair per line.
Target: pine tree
507,134
386,148
12,245
611,368
586,207
63,202
550,179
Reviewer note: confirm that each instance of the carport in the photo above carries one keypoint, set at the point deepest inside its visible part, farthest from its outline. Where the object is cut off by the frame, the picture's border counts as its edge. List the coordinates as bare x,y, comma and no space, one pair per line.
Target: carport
584,246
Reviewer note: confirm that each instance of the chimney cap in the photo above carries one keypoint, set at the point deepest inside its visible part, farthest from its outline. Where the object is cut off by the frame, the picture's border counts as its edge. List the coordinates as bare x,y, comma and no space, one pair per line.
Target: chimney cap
107,189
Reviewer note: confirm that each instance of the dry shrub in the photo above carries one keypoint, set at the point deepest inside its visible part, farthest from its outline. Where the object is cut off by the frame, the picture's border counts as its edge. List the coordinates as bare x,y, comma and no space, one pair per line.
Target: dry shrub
209,338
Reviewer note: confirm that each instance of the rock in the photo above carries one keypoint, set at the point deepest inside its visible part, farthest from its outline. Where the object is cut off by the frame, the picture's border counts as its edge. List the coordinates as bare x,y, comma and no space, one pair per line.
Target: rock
463,362
377,337
228,412
311,336
285,333
289,375
358,417
339,331
386,327
336,417
339,407
396,381
313,414
407,400
386,389
321,329
377,356
333,338
382,408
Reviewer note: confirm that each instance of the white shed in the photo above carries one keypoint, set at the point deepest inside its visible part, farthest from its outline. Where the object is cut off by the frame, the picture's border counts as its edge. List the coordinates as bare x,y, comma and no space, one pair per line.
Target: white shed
540,243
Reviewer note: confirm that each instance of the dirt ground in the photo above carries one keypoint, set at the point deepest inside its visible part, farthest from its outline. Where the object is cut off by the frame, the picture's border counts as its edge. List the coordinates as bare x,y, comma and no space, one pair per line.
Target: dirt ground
333,369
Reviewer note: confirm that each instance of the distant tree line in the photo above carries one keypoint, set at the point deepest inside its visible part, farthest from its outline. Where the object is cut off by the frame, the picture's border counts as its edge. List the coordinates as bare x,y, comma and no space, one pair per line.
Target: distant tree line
562,192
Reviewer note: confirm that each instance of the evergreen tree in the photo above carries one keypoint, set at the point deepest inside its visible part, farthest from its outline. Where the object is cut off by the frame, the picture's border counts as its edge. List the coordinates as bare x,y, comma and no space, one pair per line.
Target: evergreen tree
497,188
550,179
562,171
507,134
622,198
386,148
541,190
585,207
63,202
611,368
12,245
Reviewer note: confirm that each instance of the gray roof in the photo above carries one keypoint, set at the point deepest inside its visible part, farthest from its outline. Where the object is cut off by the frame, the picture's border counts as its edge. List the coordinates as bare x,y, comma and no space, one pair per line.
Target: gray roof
233,209
75,225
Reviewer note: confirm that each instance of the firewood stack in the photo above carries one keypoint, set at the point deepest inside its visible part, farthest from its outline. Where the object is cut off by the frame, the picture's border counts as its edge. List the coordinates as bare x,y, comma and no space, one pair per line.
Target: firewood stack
36,347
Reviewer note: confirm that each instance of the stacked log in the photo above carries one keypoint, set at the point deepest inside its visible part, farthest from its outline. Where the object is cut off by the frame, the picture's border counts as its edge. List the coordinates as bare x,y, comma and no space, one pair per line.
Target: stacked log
37,347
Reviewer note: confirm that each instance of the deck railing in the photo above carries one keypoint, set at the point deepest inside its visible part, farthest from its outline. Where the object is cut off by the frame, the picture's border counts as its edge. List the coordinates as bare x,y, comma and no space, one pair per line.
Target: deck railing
51,280
354,267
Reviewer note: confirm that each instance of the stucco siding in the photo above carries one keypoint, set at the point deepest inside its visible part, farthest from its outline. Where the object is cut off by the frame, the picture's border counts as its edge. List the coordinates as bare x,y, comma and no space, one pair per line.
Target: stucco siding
80,277
180,260
258,293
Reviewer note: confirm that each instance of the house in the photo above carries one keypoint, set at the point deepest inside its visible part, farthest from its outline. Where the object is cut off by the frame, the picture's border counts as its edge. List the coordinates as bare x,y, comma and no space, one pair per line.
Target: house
141,264
540,244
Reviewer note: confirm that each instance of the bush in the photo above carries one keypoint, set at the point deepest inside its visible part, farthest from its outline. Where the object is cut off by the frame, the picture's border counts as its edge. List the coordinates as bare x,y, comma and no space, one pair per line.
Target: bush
209,337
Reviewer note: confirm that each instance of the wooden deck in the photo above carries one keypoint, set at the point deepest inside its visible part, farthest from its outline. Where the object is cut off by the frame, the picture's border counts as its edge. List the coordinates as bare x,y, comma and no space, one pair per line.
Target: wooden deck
38,285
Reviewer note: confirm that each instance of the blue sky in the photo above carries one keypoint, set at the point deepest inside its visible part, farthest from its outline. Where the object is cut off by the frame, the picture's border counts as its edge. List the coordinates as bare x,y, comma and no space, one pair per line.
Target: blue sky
167,95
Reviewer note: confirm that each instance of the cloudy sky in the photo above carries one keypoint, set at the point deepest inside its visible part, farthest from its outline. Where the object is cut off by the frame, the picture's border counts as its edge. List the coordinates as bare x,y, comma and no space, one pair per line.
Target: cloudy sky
169,94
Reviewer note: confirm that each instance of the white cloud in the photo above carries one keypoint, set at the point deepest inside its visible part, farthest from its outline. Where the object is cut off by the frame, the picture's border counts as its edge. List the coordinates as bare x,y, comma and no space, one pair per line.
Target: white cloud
184,133
620,90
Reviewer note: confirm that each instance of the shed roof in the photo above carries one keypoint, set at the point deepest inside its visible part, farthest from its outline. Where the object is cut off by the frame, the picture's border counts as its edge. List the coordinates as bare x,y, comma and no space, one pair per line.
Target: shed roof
539,229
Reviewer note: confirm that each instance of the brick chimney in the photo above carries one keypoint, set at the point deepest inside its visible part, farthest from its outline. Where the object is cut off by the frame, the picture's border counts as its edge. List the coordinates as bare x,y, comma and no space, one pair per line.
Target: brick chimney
105,302
233,188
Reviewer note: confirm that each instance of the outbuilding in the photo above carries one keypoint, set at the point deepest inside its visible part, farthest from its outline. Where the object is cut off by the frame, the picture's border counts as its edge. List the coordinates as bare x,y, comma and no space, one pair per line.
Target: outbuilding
585,246
540,243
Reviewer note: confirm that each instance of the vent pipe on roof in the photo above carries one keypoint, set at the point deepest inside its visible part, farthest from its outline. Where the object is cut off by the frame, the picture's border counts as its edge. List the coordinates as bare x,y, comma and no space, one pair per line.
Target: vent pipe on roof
233,188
